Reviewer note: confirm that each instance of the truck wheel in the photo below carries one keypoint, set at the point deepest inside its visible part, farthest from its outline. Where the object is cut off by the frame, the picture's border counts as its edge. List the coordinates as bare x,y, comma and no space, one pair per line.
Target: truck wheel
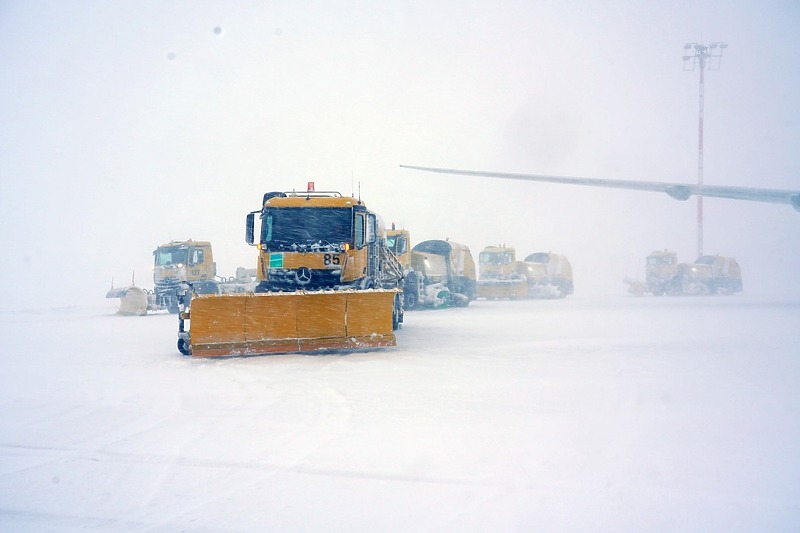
410,291
184,347
411,300
397,313
171,302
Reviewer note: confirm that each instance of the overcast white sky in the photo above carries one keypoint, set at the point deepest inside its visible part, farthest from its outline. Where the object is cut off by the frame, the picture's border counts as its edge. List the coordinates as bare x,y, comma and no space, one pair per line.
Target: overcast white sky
125,125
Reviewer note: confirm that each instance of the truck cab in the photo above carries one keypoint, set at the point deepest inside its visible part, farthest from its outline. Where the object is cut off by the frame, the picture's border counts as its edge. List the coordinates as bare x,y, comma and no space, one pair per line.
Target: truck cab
398,241
178,262
320,240
497,262
662,273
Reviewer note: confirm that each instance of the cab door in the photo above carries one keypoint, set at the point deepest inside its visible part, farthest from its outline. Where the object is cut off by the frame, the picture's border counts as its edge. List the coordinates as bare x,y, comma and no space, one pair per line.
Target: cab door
199,265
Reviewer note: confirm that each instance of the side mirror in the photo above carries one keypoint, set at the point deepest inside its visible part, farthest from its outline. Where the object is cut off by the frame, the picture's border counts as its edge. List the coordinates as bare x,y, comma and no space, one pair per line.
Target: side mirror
249,230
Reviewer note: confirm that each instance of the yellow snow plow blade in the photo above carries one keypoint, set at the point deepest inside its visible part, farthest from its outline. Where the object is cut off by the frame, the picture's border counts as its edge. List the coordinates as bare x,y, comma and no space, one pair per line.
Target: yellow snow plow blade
502,289
262,323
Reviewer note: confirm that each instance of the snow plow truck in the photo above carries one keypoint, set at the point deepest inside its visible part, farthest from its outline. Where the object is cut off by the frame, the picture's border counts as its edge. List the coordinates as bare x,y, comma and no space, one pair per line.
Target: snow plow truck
709,274
540,275
176,263
326,281
437,273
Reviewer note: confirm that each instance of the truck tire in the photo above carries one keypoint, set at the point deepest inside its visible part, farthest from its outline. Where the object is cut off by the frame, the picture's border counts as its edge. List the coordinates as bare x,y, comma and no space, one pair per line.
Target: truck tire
410,292
184,347
397,313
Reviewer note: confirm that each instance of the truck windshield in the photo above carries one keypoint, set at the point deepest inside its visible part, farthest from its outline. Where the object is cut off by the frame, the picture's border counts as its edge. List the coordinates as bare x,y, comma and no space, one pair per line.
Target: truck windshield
170,255
306,226
660,260
495,258
397,244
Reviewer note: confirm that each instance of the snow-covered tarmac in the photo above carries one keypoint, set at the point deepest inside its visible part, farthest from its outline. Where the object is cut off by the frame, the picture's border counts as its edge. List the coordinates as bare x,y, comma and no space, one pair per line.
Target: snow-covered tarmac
583,414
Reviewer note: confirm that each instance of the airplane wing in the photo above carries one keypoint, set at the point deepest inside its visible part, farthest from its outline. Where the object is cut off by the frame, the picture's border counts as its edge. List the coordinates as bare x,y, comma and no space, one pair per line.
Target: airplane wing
678,191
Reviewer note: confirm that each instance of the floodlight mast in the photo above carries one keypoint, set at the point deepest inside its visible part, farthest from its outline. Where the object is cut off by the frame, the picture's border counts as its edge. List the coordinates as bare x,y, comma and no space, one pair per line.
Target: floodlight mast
701,56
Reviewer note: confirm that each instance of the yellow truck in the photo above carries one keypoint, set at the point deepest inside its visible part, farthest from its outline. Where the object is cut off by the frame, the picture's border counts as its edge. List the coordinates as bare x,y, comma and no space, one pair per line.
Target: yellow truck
326,281
437,273
176,263
715,274
398,241
709,274
539,275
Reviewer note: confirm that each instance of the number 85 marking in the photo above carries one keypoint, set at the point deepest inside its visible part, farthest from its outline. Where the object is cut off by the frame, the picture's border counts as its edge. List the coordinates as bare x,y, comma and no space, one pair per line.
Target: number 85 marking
330,259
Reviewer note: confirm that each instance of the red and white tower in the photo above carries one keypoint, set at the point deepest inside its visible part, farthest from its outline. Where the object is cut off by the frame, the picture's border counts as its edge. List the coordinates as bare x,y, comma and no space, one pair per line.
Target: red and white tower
703,57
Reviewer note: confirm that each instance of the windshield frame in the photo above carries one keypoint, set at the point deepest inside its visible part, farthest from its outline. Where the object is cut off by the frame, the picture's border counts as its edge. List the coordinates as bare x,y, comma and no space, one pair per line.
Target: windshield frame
495,258
300,228
177,255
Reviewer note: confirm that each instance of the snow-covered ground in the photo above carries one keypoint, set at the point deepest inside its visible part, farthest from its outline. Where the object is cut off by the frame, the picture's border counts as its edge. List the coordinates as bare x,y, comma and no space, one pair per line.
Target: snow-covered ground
584,414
